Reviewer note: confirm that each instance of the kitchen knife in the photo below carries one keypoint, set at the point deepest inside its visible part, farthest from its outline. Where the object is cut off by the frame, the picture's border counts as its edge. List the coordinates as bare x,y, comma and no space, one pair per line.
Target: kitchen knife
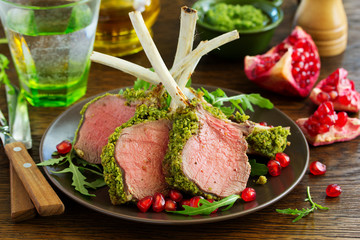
41,193
22,207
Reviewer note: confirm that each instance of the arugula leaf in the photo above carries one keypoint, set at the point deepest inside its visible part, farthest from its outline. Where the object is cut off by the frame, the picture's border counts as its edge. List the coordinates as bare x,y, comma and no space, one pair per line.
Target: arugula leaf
141,84
305,211
240,102
52,161
79,180
206,208
257,169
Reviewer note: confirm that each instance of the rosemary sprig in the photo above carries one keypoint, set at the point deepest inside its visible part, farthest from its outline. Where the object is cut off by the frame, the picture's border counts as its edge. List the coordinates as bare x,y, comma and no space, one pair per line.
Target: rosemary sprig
305,211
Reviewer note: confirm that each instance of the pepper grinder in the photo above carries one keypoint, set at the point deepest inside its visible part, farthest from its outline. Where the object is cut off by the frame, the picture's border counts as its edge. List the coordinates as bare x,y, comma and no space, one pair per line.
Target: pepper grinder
326,22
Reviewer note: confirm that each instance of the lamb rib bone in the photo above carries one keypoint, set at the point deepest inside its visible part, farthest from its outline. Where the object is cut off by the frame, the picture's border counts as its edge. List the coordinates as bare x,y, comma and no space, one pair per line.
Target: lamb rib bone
188,62
125,66
186,35
155,59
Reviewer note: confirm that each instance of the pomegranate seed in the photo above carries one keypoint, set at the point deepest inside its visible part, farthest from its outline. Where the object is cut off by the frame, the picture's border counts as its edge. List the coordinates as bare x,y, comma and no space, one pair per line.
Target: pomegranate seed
327,119
159,202
317,168
175,195
248,194
323,97
333,95
184,202
342,119
323,128
325,108
274,168
328,88
194,201
263,123
333,190
64,147
170,205
283,159
211,201
145,203
345,99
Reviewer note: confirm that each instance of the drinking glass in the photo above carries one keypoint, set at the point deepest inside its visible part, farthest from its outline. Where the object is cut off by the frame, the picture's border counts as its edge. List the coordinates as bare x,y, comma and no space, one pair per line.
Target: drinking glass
51,43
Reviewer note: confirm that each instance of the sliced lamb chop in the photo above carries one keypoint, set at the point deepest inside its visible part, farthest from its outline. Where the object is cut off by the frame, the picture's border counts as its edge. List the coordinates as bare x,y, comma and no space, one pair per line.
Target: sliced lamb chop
102,115
201,140
133,157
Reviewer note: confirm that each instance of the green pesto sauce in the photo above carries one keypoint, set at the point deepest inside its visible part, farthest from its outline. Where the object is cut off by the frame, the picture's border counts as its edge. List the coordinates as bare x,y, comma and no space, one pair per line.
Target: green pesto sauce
269,142
112,172
228,17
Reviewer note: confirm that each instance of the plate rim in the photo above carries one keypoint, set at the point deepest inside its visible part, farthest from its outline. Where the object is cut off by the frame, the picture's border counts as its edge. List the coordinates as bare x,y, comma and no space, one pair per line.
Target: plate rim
169,221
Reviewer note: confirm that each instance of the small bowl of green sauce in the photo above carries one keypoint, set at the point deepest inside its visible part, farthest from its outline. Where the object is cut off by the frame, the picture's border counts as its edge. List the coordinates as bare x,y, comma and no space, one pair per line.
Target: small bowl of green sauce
255,20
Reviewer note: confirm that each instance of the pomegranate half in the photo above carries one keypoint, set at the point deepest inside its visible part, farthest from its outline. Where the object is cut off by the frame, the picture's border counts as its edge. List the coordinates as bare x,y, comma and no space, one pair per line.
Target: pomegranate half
326,126
290,68
338,89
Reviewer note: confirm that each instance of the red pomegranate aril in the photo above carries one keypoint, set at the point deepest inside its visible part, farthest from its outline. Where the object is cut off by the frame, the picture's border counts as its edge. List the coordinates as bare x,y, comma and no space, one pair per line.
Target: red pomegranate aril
283,159
170,205
317,168
323,128
184,202
328,119
345,99
249,194
159,202
274,168
323,97
341,120
175,195
145,203
64,147
333,190
263,123
194,201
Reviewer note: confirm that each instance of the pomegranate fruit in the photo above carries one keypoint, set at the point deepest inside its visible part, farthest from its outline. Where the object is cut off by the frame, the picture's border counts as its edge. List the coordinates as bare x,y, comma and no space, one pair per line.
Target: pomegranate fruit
338,89
170,205
326,126
64,147
290,68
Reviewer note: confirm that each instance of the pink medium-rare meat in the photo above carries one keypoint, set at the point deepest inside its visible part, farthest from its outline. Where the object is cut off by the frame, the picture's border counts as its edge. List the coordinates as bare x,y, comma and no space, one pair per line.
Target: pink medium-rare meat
100,120
215,159
139,151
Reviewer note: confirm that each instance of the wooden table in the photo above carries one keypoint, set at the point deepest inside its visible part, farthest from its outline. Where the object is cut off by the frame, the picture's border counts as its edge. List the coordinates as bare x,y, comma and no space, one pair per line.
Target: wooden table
342,159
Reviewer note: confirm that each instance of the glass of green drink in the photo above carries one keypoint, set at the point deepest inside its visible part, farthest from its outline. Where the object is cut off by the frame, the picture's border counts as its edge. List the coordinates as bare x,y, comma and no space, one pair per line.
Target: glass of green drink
51,43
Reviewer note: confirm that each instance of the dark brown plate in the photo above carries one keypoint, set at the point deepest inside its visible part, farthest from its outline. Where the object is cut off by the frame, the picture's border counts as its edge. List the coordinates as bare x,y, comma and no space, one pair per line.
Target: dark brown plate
277,187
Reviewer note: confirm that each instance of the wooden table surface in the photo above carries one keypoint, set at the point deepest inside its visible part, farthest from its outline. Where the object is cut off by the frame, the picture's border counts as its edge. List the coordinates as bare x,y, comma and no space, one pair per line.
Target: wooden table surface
342,159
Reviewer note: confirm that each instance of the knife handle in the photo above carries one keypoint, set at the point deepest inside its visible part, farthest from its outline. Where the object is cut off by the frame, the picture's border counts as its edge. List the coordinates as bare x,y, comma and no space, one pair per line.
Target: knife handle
41,193
22,207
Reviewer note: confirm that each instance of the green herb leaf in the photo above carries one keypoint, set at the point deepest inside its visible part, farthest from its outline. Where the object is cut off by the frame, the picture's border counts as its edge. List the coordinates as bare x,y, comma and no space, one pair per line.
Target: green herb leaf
305,211
240,102
257,169
206,208
52,161
79,171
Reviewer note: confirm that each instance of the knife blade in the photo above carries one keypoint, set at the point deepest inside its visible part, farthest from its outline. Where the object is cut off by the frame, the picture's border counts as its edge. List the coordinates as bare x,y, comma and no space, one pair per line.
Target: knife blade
41,193
19,122
22,207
